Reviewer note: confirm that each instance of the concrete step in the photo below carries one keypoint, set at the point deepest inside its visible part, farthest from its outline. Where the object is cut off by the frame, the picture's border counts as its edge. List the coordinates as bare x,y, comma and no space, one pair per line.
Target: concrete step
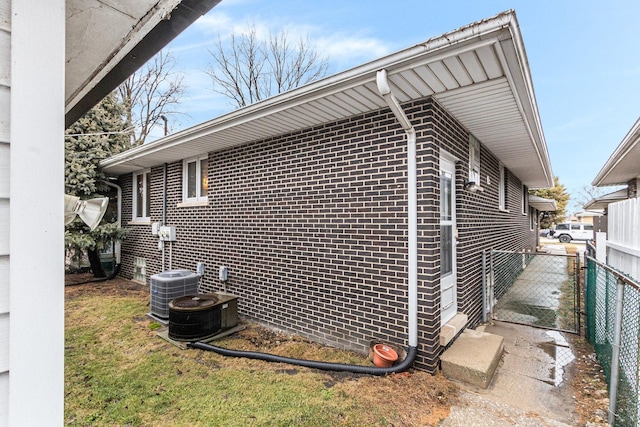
473,357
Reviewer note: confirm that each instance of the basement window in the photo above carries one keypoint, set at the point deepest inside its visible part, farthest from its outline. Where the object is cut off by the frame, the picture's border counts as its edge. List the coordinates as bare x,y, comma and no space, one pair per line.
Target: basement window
140,270
195,179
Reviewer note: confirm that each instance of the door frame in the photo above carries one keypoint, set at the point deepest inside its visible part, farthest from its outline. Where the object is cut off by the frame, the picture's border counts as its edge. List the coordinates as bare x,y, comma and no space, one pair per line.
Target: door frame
448,283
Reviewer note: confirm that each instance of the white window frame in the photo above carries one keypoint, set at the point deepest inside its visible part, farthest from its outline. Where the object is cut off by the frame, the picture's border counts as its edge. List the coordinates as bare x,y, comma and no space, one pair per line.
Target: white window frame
474,160
502,188
533,218
145,217
525,192
200,197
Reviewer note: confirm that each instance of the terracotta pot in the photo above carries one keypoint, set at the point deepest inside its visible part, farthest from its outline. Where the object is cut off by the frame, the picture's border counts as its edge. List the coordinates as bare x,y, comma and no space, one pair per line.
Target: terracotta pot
384,356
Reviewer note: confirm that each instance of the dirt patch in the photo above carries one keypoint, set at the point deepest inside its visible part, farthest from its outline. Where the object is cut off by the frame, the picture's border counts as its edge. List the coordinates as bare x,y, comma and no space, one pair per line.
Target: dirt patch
588,384
84,284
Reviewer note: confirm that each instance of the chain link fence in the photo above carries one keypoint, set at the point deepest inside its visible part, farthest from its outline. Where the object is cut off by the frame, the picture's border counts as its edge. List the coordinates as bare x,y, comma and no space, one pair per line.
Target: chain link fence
612,305
534,289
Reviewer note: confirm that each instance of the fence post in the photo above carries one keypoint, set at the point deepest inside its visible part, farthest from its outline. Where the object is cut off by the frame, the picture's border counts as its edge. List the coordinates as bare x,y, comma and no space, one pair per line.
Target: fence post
615,356
601,247
578,290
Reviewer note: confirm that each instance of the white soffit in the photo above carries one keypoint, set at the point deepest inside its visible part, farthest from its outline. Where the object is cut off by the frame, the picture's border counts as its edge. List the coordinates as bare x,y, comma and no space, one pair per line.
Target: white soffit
605,200
542,204
624,163
101,32
474,72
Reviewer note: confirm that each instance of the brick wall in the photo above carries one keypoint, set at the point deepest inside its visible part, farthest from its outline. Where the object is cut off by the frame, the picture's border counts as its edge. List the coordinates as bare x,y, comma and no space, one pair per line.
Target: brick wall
312,226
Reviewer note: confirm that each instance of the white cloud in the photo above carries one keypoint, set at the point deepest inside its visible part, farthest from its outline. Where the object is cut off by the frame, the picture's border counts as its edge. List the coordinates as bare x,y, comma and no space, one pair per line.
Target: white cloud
351,50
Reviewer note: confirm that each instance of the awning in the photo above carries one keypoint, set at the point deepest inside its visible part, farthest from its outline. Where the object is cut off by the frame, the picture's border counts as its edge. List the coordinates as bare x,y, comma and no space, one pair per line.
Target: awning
603,201
542,204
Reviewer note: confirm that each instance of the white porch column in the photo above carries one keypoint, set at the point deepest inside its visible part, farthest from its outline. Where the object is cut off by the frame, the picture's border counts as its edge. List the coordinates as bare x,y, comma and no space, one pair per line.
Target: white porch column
36,354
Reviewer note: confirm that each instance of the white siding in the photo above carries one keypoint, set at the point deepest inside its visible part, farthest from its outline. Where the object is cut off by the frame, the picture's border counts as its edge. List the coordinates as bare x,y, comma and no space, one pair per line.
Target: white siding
623,241
5,99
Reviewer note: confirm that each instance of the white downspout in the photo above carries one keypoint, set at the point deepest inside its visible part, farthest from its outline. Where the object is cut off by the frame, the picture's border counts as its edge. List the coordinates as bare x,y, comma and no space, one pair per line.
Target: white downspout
394,105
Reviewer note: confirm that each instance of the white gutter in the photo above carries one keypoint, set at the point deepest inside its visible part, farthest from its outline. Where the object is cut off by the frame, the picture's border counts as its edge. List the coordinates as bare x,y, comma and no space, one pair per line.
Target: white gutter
412,196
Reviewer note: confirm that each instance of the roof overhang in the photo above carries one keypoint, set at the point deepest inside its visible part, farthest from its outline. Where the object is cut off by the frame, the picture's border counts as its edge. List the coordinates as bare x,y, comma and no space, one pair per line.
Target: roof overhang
107,40
541,204
479,73
603,201
624,163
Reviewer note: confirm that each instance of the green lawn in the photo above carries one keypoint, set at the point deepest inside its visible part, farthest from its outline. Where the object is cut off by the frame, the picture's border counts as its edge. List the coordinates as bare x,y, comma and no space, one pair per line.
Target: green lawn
119,373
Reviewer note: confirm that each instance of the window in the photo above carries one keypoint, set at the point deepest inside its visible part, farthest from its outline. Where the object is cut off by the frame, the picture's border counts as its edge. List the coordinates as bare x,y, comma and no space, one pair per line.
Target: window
195,179
141,195
474,160
446,223
502,188
533,219
525,193
140,269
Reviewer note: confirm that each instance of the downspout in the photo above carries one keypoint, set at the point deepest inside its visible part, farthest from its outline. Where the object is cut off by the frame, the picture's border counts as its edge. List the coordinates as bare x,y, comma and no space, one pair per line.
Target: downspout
412,196
164,194
164,201
412,350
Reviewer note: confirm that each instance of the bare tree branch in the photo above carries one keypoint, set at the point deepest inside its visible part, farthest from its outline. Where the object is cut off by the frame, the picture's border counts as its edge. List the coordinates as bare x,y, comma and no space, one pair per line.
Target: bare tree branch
248,69
150,93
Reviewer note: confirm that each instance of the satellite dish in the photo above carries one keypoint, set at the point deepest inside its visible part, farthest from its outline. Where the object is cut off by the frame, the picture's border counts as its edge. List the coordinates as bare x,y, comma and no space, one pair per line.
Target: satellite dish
90,211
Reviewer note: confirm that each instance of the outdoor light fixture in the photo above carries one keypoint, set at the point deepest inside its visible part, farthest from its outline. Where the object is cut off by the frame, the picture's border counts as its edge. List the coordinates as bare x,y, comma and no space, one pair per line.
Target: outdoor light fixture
471,186
90,211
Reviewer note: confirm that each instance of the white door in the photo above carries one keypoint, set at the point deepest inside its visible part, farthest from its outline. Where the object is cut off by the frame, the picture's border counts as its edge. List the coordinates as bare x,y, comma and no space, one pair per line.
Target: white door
448,288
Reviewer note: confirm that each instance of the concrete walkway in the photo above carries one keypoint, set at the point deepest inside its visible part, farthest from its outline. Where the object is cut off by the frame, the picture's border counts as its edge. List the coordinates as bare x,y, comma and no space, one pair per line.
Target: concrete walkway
534,296
529,387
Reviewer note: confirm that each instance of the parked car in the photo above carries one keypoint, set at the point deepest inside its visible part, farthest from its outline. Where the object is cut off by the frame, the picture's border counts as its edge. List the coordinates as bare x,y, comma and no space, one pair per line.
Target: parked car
545,232
568,231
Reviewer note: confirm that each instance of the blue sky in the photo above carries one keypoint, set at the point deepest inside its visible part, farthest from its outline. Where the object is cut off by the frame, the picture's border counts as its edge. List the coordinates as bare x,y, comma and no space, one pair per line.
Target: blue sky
583,57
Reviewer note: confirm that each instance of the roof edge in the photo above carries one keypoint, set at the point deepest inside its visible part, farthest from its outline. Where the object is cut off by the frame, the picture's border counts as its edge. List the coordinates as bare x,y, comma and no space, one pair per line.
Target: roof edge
322,87
627,144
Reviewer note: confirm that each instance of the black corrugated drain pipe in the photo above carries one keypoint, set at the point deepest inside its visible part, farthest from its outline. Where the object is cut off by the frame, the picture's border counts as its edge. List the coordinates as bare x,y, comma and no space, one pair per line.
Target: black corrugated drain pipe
326,366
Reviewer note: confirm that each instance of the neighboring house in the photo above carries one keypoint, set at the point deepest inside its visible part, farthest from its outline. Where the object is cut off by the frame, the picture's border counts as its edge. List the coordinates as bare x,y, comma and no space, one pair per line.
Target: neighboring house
622,207
307,197
57,59
588,217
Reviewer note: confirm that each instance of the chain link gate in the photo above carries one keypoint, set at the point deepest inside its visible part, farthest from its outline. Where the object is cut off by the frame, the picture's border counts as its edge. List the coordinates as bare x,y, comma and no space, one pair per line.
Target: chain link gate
536,289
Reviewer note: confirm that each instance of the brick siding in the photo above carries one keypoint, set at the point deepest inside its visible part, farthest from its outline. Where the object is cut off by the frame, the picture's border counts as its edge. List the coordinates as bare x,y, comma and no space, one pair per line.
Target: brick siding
312,226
